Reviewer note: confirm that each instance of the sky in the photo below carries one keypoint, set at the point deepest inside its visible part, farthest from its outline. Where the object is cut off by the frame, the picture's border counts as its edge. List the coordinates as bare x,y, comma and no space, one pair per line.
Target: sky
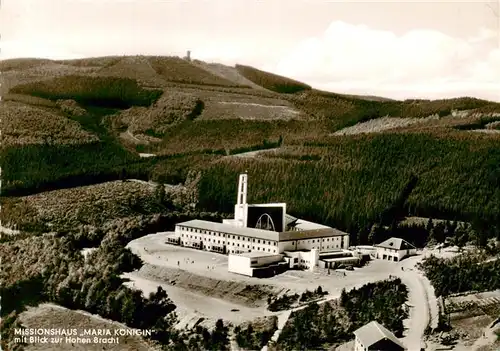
397,49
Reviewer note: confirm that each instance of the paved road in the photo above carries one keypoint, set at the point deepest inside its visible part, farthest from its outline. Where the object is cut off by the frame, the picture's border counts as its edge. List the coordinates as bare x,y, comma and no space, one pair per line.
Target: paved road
421,299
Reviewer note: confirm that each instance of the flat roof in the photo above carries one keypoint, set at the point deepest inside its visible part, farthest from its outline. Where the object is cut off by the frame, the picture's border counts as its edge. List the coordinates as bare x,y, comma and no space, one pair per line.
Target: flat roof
310,234
339,259
230,229
306,225
256,254
261,233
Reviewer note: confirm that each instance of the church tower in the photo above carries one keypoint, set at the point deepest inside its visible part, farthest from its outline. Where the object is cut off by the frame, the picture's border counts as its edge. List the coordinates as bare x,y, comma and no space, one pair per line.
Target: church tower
241,207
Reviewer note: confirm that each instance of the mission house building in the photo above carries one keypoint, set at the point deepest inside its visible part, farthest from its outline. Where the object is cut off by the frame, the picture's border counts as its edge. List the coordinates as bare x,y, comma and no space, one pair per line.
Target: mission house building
222,238
262,239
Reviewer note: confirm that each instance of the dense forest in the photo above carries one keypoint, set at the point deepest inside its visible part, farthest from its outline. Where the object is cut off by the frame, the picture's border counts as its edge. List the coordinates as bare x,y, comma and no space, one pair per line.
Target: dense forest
353,182
53,269
96,91
467,272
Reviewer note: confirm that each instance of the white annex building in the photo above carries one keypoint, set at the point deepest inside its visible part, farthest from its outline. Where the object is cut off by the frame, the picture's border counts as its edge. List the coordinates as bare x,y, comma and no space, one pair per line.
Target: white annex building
262,239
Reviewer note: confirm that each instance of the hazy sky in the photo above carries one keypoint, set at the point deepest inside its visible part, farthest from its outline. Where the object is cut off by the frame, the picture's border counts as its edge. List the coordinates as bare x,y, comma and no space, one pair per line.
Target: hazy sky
396,49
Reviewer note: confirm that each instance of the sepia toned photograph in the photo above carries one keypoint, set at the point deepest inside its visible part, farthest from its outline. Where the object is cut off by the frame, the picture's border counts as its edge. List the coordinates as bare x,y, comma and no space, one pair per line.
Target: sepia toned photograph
249,175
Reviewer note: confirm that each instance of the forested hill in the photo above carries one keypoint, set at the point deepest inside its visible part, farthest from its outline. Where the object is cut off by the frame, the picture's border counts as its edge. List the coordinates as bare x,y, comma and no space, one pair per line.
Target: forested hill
78,122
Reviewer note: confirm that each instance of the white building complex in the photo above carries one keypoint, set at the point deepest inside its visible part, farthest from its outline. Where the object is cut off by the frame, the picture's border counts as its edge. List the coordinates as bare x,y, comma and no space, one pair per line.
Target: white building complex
263,240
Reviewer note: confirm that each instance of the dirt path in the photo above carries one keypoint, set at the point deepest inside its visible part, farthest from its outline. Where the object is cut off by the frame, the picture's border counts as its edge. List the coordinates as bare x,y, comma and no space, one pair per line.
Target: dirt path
8,231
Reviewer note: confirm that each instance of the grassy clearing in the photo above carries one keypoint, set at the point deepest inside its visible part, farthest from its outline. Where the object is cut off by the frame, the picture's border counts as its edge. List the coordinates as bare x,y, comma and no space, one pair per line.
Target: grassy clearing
227,72
175,69
137,68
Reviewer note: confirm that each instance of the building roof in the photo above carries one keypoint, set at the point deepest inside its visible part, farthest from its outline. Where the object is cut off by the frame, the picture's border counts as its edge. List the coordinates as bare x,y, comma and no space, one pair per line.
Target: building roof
230,229
396,244
306,225
289,220
340,259
373,332
310,234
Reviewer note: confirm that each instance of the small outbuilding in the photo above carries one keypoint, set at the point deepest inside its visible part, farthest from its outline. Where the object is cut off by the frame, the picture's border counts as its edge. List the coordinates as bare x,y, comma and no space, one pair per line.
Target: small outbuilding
375,337
395,249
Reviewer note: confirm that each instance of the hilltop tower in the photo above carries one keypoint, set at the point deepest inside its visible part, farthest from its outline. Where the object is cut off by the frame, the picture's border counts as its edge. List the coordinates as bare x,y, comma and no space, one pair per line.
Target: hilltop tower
188,56
241,207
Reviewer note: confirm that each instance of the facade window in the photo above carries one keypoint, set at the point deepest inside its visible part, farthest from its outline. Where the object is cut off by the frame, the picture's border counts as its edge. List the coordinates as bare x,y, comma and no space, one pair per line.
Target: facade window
253,247
258,241
238,244
275,243
248,246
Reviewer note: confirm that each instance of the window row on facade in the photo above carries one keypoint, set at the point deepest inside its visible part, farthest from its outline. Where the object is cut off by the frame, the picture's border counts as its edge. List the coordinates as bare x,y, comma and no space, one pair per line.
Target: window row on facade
223,235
